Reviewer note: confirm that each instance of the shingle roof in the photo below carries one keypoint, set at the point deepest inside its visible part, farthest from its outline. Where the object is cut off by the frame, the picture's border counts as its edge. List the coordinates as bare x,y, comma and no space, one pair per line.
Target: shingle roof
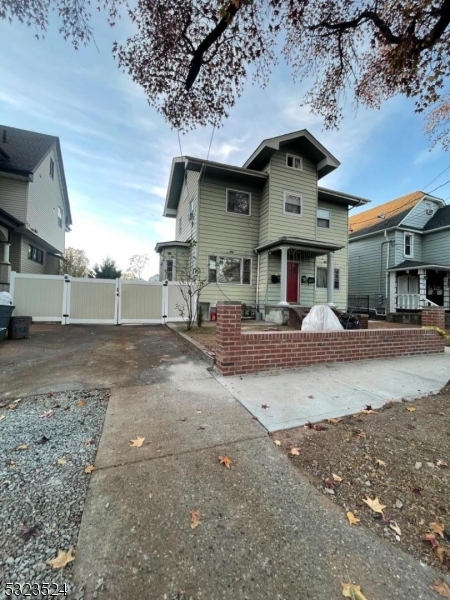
394,211
23,150
415,264
441,218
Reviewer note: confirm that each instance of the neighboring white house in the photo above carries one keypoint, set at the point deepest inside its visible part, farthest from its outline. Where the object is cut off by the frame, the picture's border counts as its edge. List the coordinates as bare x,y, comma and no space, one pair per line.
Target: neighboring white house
34,203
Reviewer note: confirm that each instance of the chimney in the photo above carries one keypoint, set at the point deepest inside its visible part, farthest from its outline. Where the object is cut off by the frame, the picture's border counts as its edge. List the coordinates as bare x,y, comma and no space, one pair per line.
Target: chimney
4,139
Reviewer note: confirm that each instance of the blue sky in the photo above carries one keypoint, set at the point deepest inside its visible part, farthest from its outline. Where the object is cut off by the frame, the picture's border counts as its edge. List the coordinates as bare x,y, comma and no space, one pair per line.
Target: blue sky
117,150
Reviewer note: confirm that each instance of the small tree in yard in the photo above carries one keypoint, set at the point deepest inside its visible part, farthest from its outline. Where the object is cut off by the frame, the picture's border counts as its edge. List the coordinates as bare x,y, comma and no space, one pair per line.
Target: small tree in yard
106,270
138,262
74,263
190,281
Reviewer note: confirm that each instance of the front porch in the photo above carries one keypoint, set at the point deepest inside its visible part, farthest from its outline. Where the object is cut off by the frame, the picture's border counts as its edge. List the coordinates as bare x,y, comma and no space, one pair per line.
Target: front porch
416,286
295,272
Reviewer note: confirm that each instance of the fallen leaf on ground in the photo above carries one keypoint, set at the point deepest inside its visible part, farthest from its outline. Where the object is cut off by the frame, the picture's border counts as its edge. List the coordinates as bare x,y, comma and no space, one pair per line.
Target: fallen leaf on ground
88,470
310,425
50,395
61,560
89,442
225,460
350,590
411,408
374,504
429,537
393,525
437,528
47,414
440,553
81,402
352,519
30,532
416,491
2,417
44,439
334,421
295,452
361,434
337,478
264,406
195,518
380,463
22,447
62,461
441,463
12,406
368,411
277,442
137,443
441,588
329,484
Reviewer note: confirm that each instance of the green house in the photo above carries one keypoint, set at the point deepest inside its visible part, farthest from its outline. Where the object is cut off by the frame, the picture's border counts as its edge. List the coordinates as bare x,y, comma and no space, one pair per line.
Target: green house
265,234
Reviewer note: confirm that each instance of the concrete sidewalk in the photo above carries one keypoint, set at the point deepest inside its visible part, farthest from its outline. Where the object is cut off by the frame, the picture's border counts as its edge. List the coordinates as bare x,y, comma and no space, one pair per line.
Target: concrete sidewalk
265,532
297,396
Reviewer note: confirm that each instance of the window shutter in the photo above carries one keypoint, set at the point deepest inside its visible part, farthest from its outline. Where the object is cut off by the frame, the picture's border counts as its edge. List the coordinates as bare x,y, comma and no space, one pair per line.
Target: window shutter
247,271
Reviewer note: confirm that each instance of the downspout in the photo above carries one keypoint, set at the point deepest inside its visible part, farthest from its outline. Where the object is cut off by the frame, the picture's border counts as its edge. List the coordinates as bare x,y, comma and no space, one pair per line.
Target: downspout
257,286
381,270
386,306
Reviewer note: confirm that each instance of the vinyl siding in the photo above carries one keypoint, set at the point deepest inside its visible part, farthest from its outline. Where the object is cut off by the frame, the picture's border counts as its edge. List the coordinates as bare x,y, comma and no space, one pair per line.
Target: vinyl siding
304,182
180,258
189,192
436,247
339,296
265,209
226,234
263,278
338,231
13,197
44,196
418,217
27,265
366,258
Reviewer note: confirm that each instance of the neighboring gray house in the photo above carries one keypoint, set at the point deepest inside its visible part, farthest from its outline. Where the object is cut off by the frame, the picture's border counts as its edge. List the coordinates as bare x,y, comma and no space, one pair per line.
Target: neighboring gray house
399,254
34,204
265,233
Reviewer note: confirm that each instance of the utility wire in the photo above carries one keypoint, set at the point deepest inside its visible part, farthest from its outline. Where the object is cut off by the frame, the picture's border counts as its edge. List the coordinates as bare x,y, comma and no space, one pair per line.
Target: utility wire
210,142
439,186
433,180
179,142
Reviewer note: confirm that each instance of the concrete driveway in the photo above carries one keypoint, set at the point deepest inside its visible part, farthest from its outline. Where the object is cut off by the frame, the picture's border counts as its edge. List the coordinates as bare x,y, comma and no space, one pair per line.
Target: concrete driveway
320,392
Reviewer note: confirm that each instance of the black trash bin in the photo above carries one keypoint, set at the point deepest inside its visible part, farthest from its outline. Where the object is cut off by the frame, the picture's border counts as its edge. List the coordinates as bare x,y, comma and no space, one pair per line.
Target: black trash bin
6,311
19,328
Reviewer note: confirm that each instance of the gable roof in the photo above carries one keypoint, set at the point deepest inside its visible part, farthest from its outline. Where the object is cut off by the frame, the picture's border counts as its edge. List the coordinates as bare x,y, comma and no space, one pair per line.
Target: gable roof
383,216
441,218
22,151
306,142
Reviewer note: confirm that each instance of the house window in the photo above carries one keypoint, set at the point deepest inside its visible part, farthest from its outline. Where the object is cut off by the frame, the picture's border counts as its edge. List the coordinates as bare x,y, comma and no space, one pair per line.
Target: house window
35,254
292,204
294,162
408,245
169,270
321,278
60,217
52,168
229,269
191,209
238,202
180,225
323,218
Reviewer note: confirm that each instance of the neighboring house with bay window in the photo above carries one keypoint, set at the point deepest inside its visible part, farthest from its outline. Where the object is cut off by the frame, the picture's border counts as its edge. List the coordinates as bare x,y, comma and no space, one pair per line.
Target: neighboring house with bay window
399,254
265,234
34,203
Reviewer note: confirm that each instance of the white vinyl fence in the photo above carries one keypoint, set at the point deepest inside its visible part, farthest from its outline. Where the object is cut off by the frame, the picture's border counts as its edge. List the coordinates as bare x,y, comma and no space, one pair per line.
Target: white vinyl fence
73,300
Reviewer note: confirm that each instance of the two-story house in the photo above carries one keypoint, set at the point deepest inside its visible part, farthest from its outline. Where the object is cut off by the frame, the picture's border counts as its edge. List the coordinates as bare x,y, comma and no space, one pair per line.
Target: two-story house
399,255
264,234
34,203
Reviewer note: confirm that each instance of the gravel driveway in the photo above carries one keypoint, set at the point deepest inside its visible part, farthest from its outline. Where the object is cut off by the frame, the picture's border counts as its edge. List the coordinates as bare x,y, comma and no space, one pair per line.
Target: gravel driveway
46,442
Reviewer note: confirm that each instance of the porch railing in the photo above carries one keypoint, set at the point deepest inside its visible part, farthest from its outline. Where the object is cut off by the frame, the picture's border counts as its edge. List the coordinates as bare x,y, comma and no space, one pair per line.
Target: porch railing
408,301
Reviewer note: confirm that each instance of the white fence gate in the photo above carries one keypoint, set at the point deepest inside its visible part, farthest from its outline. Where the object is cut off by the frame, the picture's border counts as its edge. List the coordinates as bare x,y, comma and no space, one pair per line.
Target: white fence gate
74,300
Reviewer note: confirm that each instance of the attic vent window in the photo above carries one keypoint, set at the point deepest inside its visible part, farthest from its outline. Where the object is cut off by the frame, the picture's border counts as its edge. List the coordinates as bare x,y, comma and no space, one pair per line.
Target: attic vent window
294,162
52,168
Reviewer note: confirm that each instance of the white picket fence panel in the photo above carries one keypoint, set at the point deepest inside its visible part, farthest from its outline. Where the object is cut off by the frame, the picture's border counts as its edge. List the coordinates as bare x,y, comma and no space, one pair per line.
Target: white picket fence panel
76,300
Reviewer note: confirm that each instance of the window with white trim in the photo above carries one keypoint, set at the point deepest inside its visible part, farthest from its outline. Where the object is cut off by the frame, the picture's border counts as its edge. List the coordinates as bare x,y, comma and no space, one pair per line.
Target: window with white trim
239,202
35,254
52,168
294,162
323,218
292,203
229,269
408,247
60,217
169,269
321,278
191,209
180,225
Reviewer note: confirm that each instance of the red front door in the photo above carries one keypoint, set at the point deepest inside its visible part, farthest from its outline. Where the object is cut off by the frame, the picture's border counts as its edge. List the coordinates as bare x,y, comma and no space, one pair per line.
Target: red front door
292,282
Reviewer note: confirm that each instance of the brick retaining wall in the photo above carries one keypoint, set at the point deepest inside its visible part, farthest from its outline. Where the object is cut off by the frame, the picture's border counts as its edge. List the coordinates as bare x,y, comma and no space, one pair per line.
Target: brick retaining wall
238,353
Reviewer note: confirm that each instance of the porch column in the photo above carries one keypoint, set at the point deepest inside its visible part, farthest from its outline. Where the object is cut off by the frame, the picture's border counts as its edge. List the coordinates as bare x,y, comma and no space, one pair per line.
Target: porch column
6,253
283,276
422,287
330,278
